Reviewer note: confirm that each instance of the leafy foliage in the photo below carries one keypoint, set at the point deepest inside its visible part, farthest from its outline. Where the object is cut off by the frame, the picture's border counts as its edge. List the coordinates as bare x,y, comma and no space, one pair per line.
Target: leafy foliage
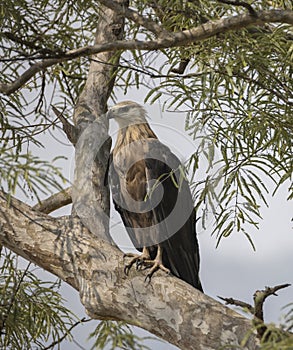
117,335
31,311
32,31
288,326
43,29
28,173
275,339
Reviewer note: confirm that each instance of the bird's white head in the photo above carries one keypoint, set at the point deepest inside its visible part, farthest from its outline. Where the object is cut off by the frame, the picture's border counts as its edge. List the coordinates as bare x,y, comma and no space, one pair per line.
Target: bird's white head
127,113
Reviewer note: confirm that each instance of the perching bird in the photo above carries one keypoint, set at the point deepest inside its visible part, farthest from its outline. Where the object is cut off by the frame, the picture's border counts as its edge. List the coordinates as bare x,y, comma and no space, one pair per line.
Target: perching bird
150,192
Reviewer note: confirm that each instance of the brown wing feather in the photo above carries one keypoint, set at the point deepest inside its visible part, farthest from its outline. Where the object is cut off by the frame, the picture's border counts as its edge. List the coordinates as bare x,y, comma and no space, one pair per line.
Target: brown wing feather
128,187
176,212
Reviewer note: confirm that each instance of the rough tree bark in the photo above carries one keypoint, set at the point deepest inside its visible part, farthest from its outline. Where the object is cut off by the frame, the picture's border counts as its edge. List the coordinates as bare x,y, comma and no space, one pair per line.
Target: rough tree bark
90,195
167,307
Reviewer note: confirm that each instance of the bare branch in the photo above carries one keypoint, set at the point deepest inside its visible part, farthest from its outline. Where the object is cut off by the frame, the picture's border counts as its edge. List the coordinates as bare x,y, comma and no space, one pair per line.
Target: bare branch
177,39
54,202
232,301
69,129
260,296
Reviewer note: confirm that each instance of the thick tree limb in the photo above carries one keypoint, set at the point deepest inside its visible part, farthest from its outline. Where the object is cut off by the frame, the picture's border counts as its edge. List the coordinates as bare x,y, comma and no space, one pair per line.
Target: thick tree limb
90,195
177,39
100,79
167,307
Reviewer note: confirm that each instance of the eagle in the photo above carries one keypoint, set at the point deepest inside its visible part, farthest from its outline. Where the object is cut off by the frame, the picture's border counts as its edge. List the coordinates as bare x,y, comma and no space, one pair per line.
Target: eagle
151,194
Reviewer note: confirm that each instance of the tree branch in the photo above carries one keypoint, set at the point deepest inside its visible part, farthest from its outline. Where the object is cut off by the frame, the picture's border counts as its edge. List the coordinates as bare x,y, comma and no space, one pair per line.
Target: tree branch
100,79
259,298
134,16
54,202
66,334
177,39
240,3
69,129
90,195
232,301
167,307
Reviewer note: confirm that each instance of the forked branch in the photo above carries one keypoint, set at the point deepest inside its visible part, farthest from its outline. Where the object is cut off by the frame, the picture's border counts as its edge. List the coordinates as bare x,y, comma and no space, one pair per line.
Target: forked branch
259,298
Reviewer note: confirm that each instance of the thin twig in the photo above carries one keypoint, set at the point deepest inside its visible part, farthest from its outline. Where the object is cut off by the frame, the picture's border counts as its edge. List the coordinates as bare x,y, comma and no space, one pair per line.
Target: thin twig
56,342
232,301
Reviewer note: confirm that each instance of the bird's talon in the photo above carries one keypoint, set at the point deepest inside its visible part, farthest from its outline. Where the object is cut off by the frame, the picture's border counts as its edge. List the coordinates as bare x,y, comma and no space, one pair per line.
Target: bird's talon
143,262
147,280
144,267
139,264
126,270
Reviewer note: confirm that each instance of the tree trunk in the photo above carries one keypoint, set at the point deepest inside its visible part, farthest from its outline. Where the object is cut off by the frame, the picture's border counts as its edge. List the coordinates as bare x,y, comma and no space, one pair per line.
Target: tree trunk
90,196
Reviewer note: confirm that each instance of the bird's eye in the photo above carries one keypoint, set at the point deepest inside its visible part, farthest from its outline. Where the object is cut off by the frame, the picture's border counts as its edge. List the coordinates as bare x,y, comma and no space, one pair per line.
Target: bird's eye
124,109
